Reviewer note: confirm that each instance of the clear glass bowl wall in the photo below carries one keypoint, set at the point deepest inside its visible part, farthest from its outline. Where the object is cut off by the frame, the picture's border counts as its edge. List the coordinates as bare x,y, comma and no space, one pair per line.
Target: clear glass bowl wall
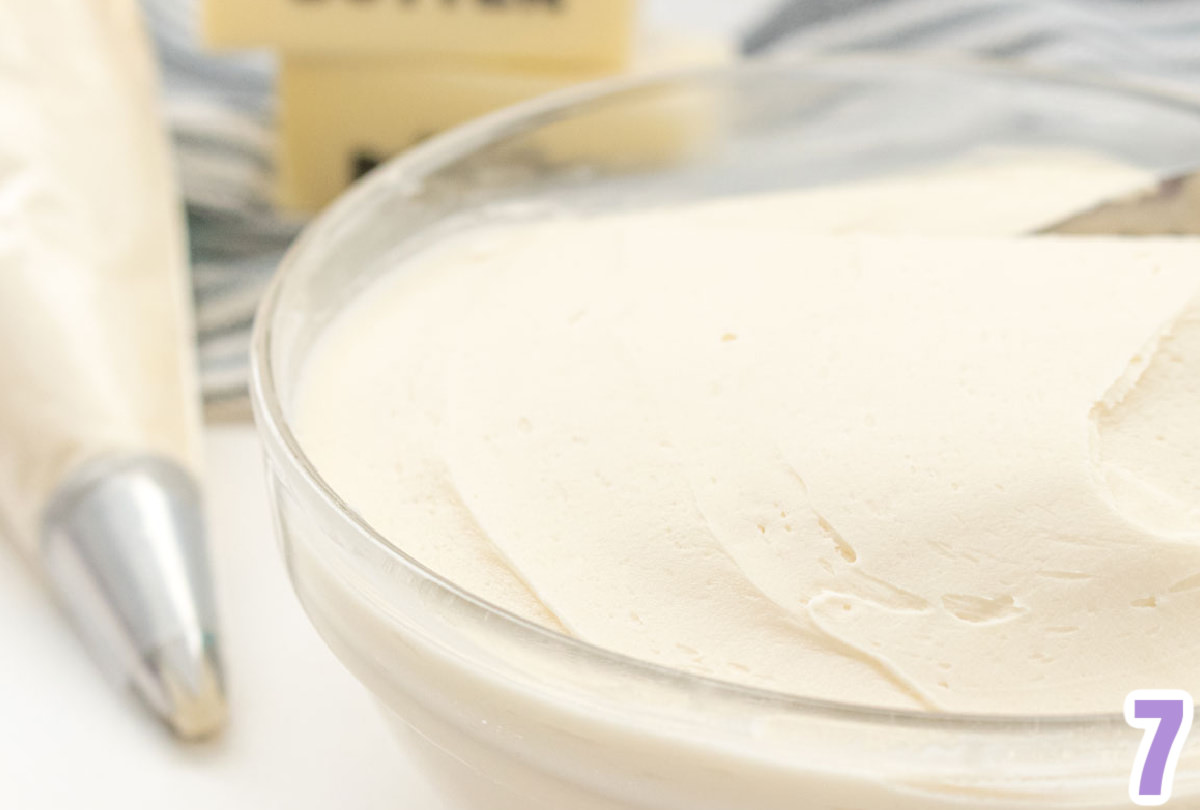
504,714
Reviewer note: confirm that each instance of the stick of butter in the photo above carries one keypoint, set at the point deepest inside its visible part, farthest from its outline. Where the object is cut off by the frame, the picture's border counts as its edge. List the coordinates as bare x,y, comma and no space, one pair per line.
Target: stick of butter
595,33
341,118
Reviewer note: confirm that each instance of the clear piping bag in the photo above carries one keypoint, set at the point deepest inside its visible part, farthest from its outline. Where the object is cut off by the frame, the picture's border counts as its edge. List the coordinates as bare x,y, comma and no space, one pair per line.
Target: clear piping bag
99,408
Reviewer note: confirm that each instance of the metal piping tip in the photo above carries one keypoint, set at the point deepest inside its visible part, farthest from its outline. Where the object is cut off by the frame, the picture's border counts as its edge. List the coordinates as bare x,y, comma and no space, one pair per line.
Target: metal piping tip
123,544
185,688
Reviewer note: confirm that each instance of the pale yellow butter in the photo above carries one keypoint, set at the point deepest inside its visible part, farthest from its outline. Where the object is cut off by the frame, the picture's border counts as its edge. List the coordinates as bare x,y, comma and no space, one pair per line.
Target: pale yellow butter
577,32
341,117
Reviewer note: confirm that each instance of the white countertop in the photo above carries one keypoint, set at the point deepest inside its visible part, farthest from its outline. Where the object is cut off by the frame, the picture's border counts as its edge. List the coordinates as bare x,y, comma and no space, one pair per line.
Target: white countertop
303,733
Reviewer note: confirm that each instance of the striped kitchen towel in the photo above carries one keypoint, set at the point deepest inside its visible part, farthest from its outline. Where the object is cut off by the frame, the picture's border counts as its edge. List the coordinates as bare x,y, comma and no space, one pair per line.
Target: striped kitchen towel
220,109
1148,40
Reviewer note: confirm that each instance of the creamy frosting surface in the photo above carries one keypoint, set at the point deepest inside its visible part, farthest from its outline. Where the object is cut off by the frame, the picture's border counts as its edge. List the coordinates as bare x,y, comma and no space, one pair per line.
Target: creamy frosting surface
922,463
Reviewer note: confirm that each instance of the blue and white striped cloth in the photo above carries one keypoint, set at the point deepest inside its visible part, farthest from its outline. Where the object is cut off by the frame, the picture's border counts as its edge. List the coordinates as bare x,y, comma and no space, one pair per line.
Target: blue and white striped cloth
1152,40
221,109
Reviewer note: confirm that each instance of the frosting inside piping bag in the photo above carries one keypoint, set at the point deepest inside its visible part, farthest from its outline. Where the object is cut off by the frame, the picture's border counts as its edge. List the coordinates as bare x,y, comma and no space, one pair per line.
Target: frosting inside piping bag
95,328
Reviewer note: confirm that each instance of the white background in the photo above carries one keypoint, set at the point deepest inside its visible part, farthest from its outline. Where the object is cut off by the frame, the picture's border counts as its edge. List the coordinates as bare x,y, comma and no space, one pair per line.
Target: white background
303,733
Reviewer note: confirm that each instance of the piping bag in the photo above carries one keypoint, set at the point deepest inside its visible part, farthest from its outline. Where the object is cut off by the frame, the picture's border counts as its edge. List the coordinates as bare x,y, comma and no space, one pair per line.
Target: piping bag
99,407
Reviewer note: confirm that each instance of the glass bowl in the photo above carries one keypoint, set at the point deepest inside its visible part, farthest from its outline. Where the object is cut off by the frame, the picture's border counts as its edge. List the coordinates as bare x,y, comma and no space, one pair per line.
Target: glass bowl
505,714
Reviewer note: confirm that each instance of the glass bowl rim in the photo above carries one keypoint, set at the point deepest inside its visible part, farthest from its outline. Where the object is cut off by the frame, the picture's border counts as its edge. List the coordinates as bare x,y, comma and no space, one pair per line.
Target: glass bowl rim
411,167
